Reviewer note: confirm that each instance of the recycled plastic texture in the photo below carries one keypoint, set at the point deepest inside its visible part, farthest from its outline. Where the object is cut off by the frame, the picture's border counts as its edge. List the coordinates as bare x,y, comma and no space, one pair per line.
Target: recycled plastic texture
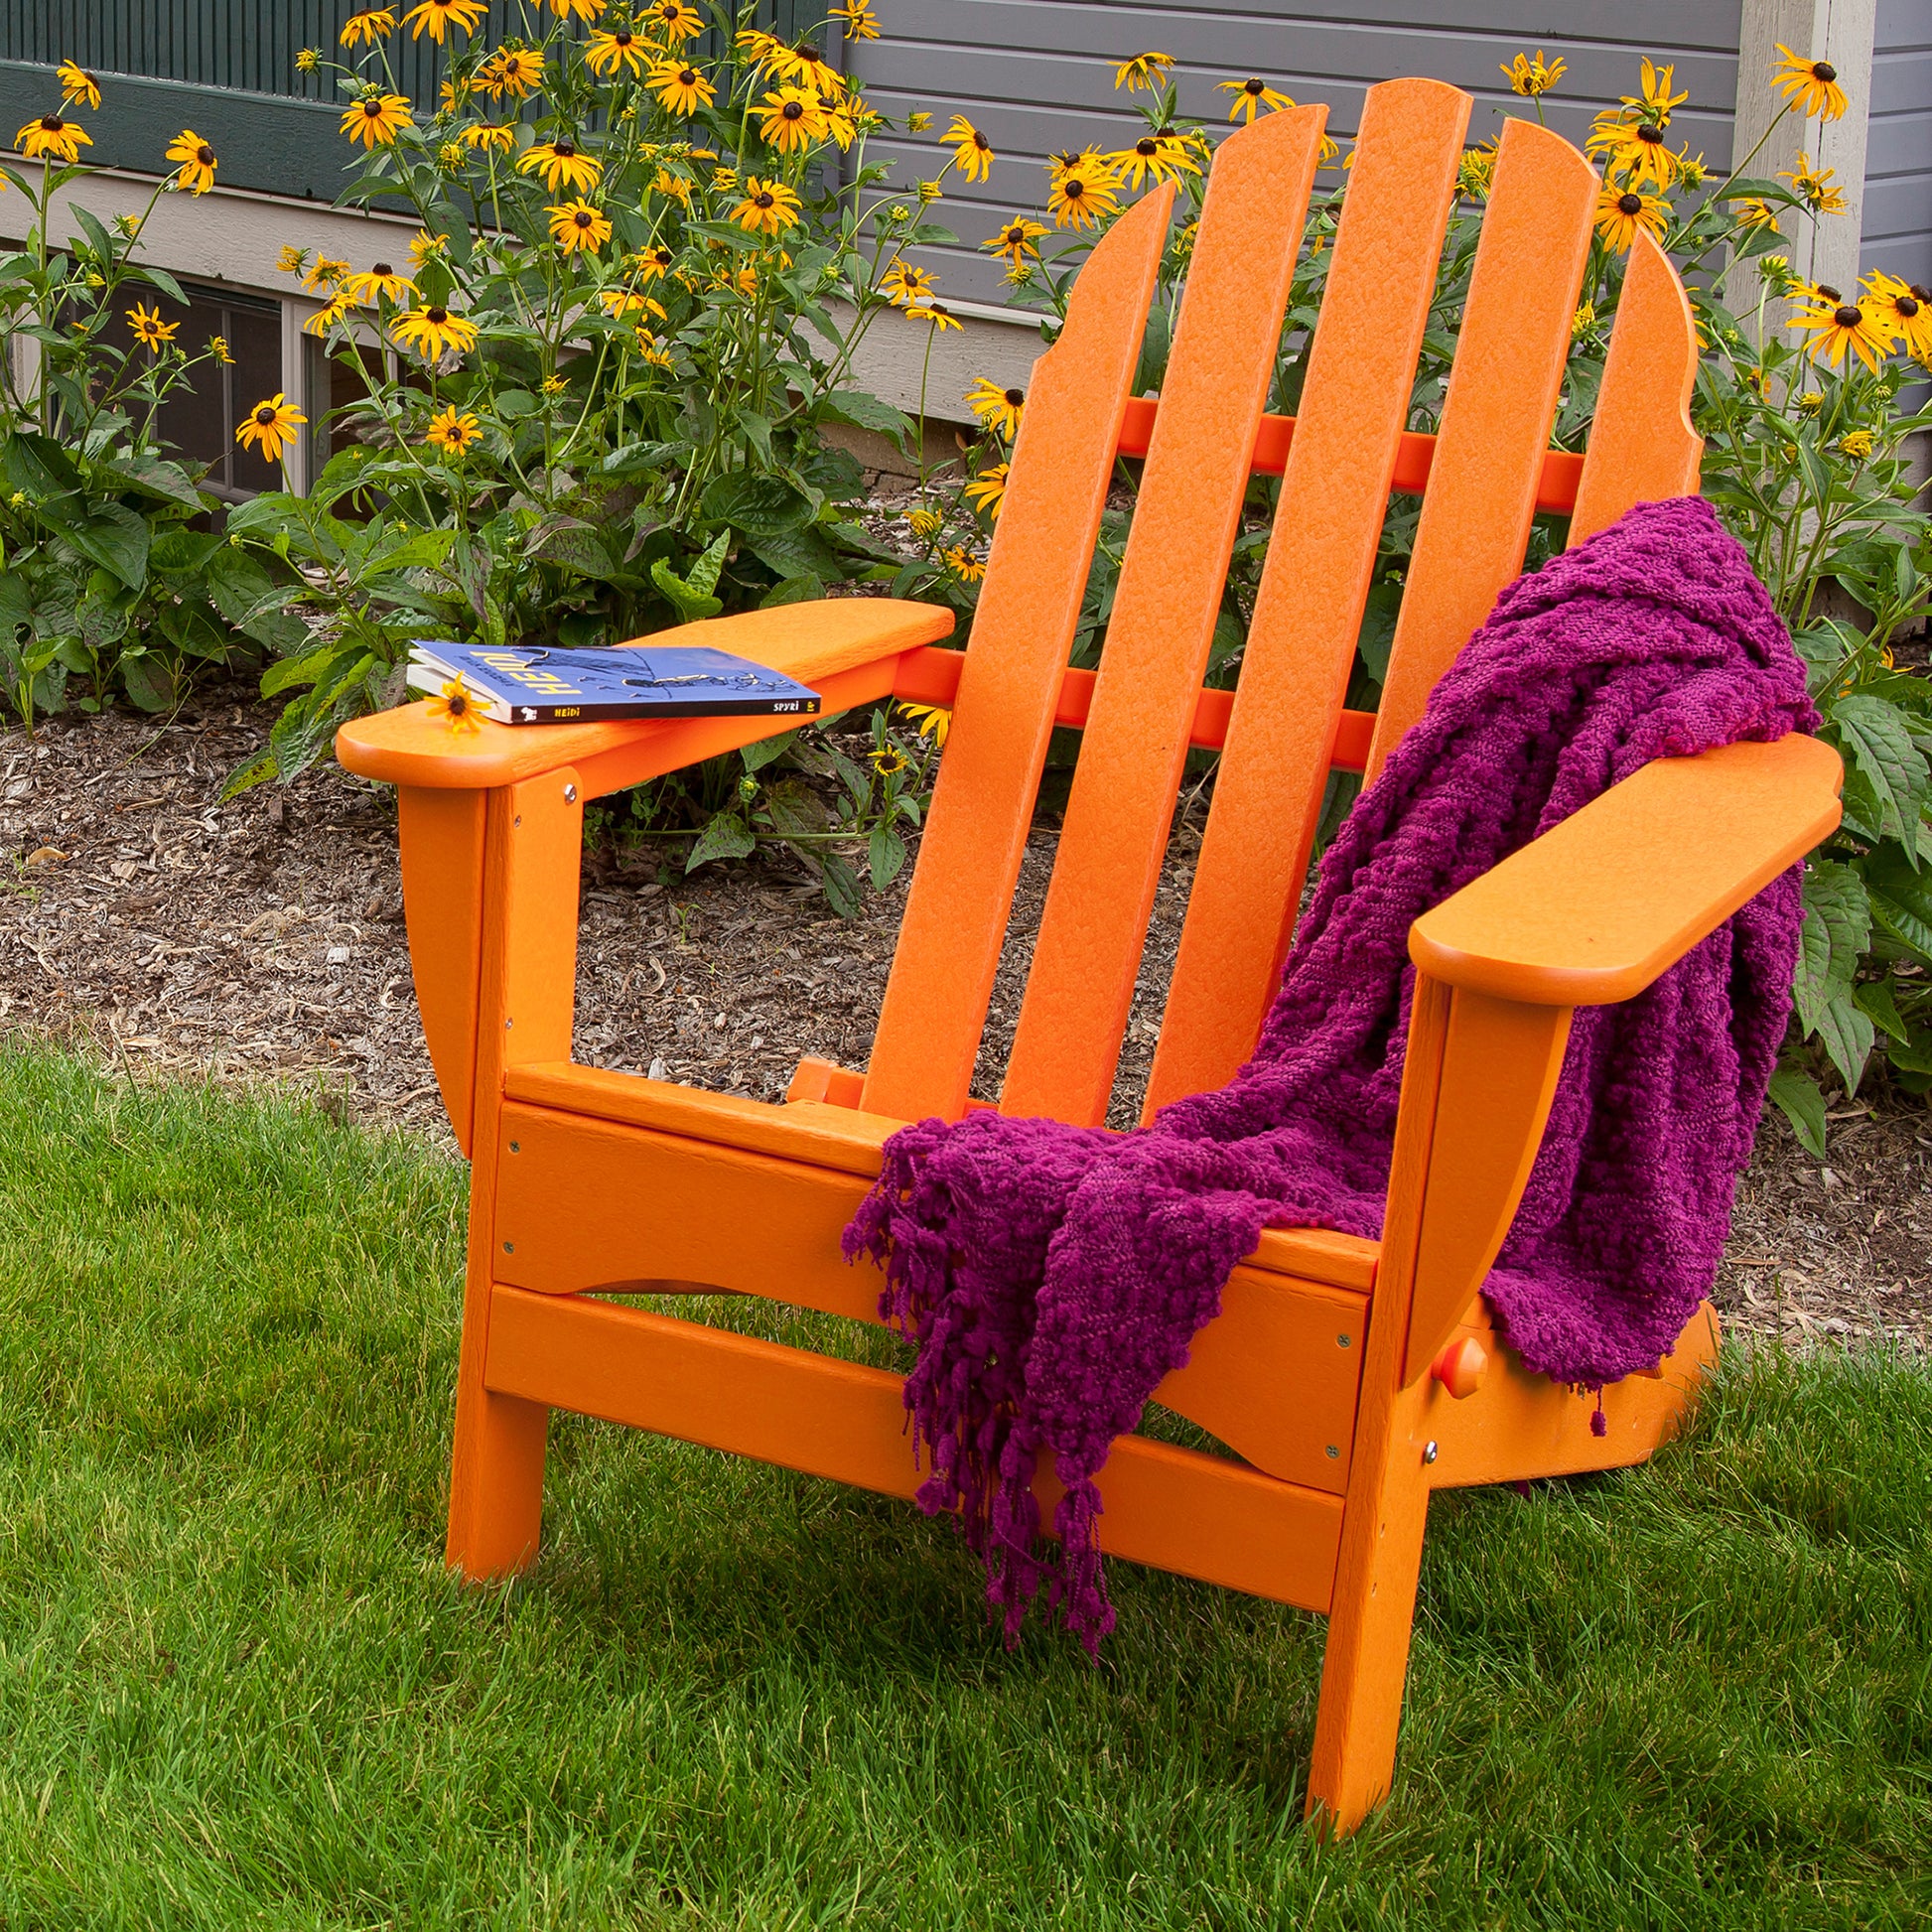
1052,1275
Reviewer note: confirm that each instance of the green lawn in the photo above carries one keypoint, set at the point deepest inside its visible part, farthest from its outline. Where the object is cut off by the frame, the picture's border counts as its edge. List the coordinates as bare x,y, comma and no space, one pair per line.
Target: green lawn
236,1687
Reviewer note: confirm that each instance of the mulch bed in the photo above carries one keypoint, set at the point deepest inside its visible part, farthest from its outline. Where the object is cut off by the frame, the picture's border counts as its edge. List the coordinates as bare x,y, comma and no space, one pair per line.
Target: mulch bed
264,938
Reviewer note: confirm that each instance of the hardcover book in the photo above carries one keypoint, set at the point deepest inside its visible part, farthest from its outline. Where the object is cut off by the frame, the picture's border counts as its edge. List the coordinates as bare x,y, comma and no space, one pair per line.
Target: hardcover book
542,686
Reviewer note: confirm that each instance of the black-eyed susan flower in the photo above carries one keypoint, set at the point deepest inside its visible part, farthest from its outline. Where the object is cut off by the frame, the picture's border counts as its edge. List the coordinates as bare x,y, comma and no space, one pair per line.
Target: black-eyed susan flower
1142,71
1476,174
270,427
452,430
423,245
561,164
578,225
435,17
653,262
496,137
1814,186
1837,328
149,330
756,49
790,119
1253,96
1811,87
1754,211
1623,214
367,26
861,24
968,568
902,283
1582,322
676,187
1634,149
925,522
1152,159
1531,76
379,284
804,66
1856,444
615,51
78,87
917,121
51,135
888,760
553,386
577,9
194,162
218,347
972,152
928,720
987,492
620,302
998,408
337,309
1653,102
843,119
512,73
651,350
1082,194
676,19
1904,309
937,314
1015,239
327,273
1809,403
681,87
377,118
768,206
456,706
433,330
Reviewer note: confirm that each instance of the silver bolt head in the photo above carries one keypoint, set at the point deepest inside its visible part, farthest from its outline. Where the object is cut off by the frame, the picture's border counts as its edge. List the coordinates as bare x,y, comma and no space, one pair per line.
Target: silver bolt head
570,795
1429,1452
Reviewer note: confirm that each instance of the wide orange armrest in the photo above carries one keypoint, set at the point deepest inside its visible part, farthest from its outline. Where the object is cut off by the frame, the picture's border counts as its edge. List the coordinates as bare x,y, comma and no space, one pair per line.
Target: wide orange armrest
844,648
1600,906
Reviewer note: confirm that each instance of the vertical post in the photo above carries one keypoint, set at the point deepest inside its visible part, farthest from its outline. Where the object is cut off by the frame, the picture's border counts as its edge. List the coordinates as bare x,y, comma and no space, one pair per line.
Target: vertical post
532,844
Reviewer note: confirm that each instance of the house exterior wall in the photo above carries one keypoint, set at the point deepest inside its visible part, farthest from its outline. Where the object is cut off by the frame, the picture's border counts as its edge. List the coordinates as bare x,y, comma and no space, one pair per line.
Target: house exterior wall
1898,223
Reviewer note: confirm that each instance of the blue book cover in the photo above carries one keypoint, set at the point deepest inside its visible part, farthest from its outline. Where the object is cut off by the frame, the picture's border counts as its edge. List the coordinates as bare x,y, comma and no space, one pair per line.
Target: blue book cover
536,685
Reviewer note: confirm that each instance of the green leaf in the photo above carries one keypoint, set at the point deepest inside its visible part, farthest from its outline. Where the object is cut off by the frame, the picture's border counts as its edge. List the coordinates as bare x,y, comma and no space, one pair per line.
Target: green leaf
727,836
1377,635
887,852
768,751
1835,933
759,506
690,604
1848,1034
843,892
147,680
1901,902
1876,735
114,538
793,806
1875,998
1802,1105
704,574
862,411
797,553
790,590
162,280
249,773
156,477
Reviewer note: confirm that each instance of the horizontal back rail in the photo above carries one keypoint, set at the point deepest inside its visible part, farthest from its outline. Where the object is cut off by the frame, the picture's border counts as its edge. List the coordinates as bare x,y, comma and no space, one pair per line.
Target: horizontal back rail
1555,489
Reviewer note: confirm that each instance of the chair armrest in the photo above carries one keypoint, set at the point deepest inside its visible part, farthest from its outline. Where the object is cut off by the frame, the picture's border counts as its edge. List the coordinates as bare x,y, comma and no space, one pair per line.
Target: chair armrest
1598,906
845,648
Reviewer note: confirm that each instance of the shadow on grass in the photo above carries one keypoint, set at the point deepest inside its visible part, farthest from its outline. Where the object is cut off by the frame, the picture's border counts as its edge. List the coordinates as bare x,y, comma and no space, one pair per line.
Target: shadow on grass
237,1685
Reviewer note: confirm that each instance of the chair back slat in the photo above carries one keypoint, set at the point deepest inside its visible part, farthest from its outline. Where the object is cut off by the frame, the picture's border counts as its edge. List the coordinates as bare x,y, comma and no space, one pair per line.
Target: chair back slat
976,831
1496,419
1340,467
1173,579
1642,447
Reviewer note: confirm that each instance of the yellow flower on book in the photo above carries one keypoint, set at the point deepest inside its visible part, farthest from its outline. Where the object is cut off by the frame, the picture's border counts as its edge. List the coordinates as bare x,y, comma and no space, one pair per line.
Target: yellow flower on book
456,706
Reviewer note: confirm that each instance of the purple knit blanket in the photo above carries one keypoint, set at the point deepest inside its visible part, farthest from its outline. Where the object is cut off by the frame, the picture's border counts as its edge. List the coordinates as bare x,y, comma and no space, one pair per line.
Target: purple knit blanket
1052,1275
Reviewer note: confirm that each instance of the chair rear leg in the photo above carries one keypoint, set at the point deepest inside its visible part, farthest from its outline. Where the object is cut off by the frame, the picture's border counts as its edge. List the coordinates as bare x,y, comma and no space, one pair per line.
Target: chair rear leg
1366,1662
495,1466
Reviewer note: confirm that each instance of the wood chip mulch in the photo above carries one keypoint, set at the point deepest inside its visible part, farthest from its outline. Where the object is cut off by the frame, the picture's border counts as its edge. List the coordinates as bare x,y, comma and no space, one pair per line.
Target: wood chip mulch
264,939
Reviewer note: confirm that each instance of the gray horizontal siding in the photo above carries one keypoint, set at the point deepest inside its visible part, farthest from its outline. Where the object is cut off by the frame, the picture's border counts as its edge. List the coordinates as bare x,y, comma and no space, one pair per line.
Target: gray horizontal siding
1038,75
1896,231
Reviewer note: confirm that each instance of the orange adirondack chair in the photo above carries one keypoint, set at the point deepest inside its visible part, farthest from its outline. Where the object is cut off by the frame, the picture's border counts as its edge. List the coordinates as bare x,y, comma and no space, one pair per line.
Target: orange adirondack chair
1350,1377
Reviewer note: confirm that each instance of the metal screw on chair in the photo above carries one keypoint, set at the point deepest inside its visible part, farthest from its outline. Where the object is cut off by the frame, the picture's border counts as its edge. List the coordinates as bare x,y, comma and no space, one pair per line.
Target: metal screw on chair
510,1248
516,1146
1429,1452
570,795
1341,1342
1334,1453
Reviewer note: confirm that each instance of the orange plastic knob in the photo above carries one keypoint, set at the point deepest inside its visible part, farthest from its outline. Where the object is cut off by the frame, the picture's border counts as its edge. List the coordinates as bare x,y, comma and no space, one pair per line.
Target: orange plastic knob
1460,1367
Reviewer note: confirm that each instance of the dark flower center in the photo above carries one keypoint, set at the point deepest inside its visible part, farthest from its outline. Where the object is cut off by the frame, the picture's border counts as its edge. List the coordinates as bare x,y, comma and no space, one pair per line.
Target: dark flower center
1629,204
1824,71
564,149
53,123
1073,190
762,200
662,257
1907,307
685,76
374,110
1256,87
204,155
1148,147
384,270
621,39
265,415
436,317
794,110
1014,397
459,704
1650,134
1848,317
582,218
1829,293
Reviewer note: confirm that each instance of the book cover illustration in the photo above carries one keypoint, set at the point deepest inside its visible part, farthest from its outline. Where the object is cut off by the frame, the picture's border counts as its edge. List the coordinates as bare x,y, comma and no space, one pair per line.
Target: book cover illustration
537,685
